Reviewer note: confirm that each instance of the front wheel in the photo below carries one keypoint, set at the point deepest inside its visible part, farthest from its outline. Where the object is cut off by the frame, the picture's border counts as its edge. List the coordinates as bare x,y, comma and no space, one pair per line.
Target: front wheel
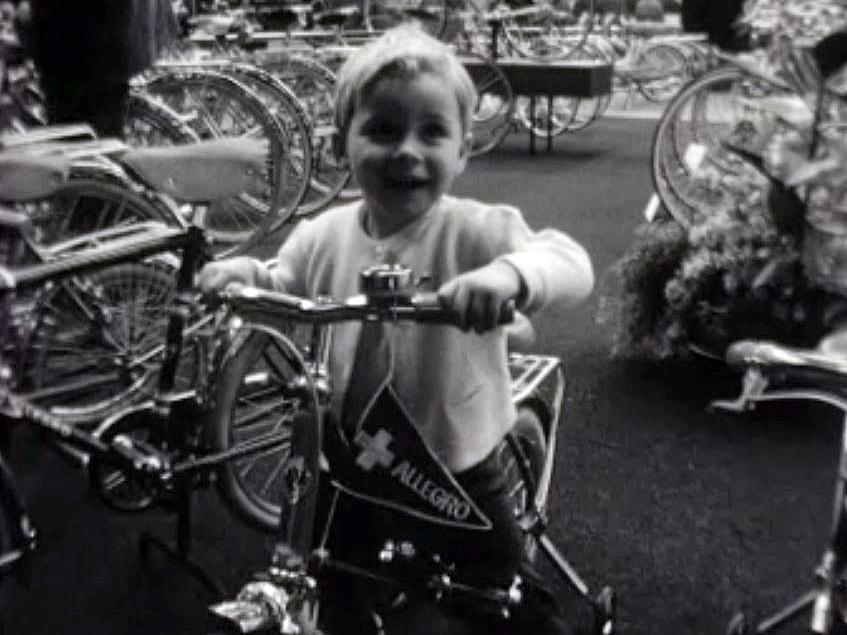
522,456
494,115
259,394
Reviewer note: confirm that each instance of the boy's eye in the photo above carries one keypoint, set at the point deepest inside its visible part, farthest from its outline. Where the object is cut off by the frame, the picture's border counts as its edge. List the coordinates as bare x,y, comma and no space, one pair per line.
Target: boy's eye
435,131
381,130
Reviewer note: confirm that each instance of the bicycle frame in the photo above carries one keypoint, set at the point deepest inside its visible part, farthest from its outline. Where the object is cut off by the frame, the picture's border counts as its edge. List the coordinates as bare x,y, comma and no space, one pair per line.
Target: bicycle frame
296,563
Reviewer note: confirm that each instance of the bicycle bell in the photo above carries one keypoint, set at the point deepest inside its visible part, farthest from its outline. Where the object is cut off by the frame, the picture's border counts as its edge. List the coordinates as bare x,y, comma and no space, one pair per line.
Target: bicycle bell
385,281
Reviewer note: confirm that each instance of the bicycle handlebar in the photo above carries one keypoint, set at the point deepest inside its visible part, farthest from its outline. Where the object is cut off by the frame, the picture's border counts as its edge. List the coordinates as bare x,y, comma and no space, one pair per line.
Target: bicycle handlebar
383,307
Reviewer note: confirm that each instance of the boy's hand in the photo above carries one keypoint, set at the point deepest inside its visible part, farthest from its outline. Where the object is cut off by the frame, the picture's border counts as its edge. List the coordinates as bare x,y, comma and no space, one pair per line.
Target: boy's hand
217,276
480,297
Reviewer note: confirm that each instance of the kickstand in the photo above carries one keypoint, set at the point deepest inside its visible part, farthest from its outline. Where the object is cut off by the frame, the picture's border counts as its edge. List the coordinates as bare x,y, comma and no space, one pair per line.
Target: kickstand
181,553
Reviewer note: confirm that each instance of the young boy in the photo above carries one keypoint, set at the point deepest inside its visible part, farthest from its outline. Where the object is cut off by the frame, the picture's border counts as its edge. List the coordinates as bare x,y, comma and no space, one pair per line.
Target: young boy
404,113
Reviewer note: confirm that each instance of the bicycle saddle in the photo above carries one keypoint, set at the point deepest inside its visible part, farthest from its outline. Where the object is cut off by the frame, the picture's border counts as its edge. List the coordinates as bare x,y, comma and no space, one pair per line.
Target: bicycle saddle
829,356
24,177
200,172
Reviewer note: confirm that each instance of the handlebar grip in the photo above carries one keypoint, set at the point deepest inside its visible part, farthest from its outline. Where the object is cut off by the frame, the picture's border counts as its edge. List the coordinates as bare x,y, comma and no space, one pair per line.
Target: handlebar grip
245,294
429,302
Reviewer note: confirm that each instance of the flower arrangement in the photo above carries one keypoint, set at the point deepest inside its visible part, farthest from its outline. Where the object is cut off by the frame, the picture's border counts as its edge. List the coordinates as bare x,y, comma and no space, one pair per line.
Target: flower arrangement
766,254
733,275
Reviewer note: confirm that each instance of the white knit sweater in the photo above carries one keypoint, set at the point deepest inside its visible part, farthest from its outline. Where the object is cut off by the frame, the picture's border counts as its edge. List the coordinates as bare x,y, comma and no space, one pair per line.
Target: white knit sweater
455,384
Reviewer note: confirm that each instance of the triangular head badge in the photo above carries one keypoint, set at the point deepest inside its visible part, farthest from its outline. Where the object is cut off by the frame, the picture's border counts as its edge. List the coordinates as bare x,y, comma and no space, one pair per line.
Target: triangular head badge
388,463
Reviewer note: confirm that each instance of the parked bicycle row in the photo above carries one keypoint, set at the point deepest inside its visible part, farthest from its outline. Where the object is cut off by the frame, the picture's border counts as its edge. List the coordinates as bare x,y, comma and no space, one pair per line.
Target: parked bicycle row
224,61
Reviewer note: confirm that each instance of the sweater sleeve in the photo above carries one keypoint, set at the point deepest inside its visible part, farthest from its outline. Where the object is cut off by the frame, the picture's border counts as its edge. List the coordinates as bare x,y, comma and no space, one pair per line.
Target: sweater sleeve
286,273
554,267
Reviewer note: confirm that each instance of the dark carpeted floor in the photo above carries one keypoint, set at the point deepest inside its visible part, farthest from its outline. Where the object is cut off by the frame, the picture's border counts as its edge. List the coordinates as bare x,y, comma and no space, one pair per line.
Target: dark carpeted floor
688,515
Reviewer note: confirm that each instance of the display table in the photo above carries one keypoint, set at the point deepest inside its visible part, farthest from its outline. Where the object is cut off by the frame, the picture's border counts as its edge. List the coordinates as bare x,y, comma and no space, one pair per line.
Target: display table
540,80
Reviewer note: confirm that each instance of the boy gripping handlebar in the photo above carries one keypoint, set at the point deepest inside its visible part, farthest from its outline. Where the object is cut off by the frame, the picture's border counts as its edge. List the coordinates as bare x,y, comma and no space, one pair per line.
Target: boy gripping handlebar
404,105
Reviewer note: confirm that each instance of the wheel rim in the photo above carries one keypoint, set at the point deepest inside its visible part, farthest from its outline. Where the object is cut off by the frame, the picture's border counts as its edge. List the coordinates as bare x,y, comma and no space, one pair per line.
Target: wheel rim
89,333
264,406
701,116
218,106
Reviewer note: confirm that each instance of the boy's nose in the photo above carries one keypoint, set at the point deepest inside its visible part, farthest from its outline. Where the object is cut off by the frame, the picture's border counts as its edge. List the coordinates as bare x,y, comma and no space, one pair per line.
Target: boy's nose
408,148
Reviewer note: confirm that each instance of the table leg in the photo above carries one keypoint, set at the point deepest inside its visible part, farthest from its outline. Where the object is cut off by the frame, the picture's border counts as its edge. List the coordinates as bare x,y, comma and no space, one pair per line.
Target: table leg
531,124
549,123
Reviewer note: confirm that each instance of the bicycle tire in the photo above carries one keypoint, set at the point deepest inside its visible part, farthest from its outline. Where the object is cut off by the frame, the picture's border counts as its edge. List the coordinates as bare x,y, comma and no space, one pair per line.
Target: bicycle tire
80,358
254,392
686,122
290,112
493,118
669,57
547,36
91,200
218,106
149,122
522,456
314,85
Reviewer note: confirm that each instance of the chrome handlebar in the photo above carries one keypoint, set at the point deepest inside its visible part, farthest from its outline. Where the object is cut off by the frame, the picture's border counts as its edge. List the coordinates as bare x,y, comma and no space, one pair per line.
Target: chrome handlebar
385,307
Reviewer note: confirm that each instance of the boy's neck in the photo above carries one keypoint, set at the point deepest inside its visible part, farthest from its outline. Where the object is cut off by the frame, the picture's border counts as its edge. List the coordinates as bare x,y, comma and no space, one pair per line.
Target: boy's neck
380,227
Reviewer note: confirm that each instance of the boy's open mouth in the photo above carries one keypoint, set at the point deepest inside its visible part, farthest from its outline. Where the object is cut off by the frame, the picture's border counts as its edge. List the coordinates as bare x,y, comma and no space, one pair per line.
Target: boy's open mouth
405,182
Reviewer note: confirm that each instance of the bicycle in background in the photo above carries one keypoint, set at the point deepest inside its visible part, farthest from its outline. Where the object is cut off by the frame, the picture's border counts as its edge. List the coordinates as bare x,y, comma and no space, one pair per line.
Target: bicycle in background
772,373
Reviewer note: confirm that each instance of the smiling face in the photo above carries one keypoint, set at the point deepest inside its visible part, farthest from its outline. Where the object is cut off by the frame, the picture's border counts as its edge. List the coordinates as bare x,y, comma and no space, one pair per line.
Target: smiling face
406,146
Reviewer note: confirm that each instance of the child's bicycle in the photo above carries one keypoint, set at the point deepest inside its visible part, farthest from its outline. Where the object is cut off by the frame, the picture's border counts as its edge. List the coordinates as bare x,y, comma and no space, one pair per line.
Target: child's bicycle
271,373
781,373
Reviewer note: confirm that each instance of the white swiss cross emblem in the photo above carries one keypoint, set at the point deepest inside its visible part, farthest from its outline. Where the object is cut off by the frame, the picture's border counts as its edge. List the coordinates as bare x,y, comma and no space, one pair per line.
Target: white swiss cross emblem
374,449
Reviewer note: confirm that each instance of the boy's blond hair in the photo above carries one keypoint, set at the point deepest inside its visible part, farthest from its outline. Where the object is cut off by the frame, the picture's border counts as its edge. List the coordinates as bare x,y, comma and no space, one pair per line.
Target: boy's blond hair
403,51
